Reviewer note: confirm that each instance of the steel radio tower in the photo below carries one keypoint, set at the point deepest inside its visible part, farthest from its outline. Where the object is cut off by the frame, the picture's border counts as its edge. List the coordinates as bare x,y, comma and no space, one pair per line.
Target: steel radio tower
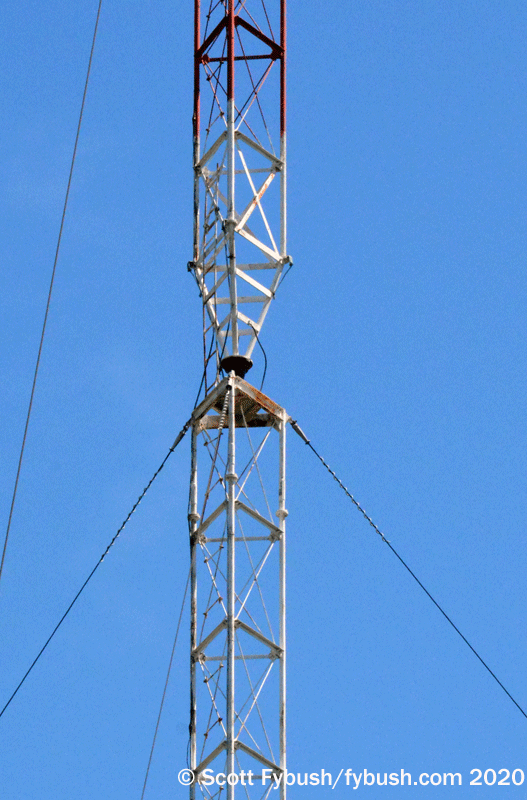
237,505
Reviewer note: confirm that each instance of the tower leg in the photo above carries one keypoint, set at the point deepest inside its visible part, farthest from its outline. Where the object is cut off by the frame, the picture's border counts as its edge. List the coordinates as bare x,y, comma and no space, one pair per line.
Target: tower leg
231,479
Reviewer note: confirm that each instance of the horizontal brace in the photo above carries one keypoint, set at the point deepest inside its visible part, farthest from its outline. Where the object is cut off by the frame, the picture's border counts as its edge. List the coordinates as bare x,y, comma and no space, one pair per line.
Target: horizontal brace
239,625
277,51
271,656
207,60
242,539
243,332
251,171
244,267
255,299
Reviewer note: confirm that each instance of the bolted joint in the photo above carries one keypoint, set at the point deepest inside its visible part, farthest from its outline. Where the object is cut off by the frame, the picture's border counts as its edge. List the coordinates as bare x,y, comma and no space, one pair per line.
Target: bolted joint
276,653
197,538
228,226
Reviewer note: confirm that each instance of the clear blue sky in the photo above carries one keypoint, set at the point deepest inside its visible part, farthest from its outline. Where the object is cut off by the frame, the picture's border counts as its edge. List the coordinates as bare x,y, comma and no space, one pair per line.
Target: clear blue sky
397,342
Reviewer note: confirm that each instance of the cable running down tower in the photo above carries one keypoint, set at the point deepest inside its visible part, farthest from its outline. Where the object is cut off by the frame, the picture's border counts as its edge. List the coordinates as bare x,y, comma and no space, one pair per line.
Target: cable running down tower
237,507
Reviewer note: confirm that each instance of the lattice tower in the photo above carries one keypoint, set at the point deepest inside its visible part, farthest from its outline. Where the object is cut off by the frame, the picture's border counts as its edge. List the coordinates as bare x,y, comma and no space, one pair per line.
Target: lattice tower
237,506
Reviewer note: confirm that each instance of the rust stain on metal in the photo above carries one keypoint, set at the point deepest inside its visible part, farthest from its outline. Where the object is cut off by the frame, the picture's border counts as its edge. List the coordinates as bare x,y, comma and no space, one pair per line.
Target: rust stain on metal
261,399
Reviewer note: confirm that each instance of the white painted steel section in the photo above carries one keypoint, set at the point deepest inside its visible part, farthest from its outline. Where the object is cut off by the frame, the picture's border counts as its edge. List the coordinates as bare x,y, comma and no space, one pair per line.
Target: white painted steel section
282,514
193,519
238,639
231,479
238,603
